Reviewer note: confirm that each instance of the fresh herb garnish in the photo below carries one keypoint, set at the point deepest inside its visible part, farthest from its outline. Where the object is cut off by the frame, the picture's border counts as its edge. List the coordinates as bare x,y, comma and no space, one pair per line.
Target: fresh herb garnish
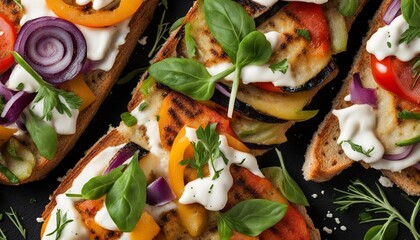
11,150
143,106
304,33
162,29
32,200
2,235
387,231
281,178
128,119
2,103
388,44
51,96
359,193
358,148
20,87
61,222
281,66
176,24
415,70
410,34
43,135
206,150
409,115
131,75
410,10
13,179
147,85
1,216
408,142
18,3
249,217
164,3
16,222
189,41
124,205
348,8
98,186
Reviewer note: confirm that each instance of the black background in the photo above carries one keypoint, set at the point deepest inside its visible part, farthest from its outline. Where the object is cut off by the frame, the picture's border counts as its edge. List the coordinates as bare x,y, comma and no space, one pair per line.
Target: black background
19,197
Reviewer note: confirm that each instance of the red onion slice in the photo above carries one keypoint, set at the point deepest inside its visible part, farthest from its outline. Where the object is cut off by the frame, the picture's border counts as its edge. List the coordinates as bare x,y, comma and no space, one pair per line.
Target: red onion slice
393,11
159,193
53,47
222,90
361,95
417,166
125,153
15,106
399,156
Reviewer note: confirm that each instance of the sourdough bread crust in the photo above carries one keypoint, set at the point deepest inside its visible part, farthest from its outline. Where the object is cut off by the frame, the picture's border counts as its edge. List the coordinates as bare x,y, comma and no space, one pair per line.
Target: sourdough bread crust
324,158
100,83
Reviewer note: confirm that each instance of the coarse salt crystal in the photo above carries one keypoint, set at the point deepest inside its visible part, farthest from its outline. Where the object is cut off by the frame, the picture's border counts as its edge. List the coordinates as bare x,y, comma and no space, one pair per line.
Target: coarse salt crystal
143,41
314,195
39,219
329,215
384,181
337,220
327,230
322,192
343,228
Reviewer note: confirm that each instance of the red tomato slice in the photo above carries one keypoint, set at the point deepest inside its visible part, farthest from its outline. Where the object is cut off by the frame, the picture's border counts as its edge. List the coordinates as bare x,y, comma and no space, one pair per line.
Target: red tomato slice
396,77
312,17
7,41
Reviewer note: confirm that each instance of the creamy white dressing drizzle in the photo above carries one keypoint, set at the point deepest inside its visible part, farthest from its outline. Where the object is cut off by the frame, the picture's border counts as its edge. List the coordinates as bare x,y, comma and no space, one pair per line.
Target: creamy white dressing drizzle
385,42
212,194
148,118
103,219
96,4
63,124
260,73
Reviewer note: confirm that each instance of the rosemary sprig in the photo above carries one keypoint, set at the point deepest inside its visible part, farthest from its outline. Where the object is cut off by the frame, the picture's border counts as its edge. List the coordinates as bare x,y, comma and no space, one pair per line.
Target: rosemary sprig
15,220
359,193
2,235
162,29
61,222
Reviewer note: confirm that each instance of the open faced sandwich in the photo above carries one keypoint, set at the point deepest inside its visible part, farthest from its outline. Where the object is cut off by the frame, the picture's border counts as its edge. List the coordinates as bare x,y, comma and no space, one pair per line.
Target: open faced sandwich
376,114
58,62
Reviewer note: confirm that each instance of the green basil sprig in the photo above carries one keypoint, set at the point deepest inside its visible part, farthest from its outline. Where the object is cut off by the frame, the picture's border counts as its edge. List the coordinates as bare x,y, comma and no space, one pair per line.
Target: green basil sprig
43,135
250,217
283,181
126,199
98,186
229,23
410,10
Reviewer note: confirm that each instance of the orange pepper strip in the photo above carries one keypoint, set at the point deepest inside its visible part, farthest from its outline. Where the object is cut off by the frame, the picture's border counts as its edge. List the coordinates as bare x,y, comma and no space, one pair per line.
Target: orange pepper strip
6,133
101,18
146,228
79,87
44,226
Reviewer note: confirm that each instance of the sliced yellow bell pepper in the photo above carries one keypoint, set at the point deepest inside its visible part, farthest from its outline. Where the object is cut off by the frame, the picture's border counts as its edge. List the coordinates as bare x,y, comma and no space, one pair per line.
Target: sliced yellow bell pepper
79,87
146,228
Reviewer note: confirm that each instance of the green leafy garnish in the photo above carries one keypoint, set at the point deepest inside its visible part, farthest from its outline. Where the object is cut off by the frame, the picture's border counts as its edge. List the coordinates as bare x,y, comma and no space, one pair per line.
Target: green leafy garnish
189,41
98,186
2,103
348,7
408,142
415,69
32,200
43,135
18,3
13,179
1,216
16,222
164,3
304,33
128,119
206,150
176,24
20,87
410,34
61,222
410,10
250,217
162,29
2,235
359,193
143,106
11,150
126,199
358,148
281,66
409,115
147,85
131,75
387,231
281,178
51,96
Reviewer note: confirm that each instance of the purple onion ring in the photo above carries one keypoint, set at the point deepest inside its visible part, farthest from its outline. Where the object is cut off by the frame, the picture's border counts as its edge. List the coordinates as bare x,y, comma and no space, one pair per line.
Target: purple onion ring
399,156
15,106
361,95
159,193
393,11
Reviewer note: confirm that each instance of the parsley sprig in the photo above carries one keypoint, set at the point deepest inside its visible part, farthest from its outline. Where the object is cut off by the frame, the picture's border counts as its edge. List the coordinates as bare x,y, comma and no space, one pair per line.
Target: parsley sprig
52,96
206,150
61,222
358,148
359,193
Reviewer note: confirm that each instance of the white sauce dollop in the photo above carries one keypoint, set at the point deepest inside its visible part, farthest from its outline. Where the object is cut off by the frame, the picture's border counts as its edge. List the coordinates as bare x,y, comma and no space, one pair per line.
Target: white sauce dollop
212,194
260,73
385,42
96,4
269,3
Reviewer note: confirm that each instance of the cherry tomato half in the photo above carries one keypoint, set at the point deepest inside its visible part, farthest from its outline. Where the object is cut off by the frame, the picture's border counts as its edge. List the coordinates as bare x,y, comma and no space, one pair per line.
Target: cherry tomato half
396,77
7,41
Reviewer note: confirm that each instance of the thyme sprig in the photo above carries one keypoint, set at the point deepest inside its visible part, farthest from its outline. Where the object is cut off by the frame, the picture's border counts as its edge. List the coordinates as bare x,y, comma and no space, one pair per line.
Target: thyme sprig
14,218
61,222
359,193
162,30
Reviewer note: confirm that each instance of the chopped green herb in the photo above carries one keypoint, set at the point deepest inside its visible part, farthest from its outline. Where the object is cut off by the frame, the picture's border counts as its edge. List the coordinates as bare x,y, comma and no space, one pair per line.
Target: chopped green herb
2,235
410,34
32,200
128,119
157,118
389,44
131,75
163,28
11,150
408,142
358,148
147,85
74,195
2,103
1,216
20,87
15,220
18,3
189,41
348,8
176,24
409,115
415,70
13,179
281,66
304,33
61,222
143,106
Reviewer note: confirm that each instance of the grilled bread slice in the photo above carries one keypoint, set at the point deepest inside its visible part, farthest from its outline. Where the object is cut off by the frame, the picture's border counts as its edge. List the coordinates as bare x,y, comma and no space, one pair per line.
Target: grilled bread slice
100,83
324,157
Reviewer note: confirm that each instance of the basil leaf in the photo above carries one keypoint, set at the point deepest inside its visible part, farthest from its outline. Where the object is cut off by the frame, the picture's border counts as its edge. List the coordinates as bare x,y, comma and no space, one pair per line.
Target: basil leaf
126,199
189,41
224,228
229,23
43,135
251,217
98,186
348,8
382,232
253,49
176,24
289,187
186,76
13,179
410,10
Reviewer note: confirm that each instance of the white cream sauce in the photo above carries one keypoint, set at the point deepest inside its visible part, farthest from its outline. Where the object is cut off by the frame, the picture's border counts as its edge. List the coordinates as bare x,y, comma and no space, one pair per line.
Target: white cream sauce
103,219
260,73
63,124
358,124
385,42
212,194
96,4
269,3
